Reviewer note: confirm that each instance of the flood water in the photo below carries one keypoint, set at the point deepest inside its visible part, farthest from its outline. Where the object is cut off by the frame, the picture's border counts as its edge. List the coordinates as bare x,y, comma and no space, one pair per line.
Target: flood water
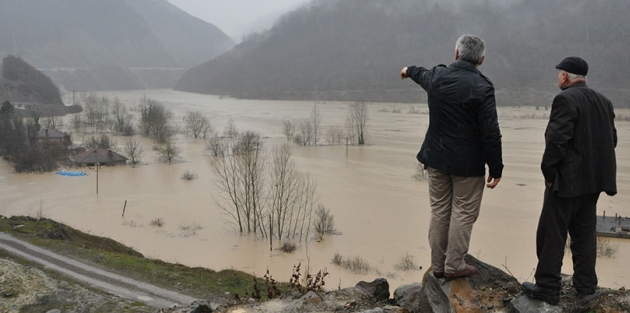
380,211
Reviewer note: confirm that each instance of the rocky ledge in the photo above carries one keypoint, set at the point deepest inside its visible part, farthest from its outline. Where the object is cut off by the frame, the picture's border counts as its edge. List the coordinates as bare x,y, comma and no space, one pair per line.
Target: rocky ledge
491,290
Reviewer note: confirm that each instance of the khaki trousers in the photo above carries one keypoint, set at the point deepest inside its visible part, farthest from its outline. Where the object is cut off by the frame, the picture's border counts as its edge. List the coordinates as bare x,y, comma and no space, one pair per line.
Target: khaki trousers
455,206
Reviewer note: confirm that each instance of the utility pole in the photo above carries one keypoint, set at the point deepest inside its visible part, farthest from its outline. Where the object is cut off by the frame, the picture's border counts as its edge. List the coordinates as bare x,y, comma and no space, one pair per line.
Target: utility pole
97,166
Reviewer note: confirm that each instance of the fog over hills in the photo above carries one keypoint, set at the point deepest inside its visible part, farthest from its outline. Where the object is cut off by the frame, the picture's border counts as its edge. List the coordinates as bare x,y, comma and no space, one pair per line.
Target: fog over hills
95,44
354,49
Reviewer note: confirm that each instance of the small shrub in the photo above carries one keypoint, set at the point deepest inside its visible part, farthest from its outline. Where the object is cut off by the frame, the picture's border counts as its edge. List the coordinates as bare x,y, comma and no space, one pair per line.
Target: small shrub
396,110
324,222
356,264
406,263
158,222
272,288
189,229
311,283
288,247
606,248
188,176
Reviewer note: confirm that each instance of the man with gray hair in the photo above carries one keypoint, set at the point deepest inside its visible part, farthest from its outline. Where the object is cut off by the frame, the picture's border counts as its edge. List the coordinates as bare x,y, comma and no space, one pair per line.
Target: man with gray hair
463,136
578,164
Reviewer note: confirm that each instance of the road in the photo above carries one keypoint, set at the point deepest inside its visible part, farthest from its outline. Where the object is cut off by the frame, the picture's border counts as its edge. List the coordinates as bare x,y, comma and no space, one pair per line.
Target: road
118,285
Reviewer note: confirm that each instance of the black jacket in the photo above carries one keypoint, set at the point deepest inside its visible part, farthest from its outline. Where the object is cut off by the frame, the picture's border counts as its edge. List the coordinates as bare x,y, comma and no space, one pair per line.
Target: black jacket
580,143
463,134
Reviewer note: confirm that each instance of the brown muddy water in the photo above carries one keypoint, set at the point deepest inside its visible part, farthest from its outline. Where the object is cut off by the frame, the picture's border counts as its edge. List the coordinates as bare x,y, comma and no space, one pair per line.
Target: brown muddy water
381,213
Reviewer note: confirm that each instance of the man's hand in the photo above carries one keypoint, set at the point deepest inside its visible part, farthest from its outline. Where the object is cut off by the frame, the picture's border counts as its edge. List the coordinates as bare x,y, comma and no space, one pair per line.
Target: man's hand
403,73
548,184
492,182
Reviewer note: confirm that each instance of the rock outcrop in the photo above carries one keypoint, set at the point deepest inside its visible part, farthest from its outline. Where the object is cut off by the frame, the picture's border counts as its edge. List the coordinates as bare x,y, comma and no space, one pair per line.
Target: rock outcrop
491,290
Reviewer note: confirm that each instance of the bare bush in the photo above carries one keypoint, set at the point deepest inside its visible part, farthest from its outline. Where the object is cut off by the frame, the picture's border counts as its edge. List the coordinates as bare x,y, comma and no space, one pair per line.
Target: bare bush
187,175
355,264
309,282
606,248
157,222
406,263
288,247
335,135
324,223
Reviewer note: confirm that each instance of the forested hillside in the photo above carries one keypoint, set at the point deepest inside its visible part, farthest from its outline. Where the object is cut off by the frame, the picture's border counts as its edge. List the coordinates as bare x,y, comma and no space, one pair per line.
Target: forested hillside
22,83
354,49
75,40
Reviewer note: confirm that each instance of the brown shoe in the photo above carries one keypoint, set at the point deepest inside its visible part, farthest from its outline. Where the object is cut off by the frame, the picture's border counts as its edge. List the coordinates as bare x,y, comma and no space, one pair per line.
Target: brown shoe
468,271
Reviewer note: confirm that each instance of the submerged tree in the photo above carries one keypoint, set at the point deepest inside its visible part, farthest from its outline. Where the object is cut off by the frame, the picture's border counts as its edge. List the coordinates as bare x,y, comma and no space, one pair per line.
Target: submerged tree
239,172
357,121
196,124
134,151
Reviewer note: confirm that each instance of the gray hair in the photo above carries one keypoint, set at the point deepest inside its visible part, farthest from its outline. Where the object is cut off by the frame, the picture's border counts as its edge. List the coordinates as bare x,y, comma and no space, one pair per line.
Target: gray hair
573,76
471,48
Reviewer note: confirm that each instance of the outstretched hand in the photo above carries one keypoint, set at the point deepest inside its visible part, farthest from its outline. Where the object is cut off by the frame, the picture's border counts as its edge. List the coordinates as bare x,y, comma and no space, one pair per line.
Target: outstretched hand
403,73
492,182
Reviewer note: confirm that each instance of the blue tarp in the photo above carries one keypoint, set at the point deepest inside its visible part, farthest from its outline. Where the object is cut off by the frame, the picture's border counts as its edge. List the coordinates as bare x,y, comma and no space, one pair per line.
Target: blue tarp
68,173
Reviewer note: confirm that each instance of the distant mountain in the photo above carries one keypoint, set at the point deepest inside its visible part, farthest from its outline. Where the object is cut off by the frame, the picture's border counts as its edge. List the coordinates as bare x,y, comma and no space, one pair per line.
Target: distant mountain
354,49
22,83
75,38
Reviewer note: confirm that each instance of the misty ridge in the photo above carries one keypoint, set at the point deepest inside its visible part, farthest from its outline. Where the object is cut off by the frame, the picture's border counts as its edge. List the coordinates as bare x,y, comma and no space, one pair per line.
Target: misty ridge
353,50
347,50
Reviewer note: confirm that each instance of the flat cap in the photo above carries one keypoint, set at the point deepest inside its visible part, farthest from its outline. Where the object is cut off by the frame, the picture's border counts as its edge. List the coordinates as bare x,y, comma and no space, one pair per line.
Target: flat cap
574,65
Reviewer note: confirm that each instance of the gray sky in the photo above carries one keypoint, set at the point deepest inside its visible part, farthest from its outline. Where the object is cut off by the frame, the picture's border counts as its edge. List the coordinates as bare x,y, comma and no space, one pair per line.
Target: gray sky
238,17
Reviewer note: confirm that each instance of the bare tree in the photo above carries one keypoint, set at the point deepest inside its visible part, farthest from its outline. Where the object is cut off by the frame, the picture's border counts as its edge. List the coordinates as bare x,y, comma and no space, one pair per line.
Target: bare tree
122,118
196,124
305,132
155,120
324,223
217,146
96,111
335,134
288,129
102,142
134,151
168,151
77,124
230,129
52,122
357,121
291,196
315,121
239,175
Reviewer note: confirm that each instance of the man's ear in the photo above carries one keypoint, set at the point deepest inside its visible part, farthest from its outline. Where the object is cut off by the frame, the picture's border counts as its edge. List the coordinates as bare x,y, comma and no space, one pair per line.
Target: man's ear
481,62
456,54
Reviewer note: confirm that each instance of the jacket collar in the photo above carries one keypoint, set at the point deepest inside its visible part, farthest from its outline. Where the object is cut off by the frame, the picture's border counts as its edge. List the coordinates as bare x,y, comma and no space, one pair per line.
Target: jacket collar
465,65
576,85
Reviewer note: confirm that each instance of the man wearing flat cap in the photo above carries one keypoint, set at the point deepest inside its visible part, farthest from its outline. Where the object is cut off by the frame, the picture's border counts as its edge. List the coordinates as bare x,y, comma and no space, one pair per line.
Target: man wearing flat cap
578,164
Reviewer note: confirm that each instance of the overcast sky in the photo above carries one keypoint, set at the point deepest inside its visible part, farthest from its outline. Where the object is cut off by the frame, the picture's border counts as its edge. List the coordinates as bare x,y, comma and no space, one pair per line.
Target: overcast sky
238,17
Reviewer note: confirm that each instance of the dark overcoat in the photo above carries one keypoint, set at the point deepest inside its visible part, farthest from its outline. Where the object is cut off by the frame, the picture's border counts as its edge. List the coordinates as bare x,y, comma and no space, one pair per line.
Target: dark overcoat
580,142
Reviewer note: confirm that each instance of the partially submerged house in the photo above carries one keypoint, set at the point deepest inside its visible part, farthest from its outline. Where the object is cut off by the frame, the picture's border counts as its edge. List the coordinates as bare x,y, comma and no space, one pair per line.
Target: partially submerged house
100,156
52,137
